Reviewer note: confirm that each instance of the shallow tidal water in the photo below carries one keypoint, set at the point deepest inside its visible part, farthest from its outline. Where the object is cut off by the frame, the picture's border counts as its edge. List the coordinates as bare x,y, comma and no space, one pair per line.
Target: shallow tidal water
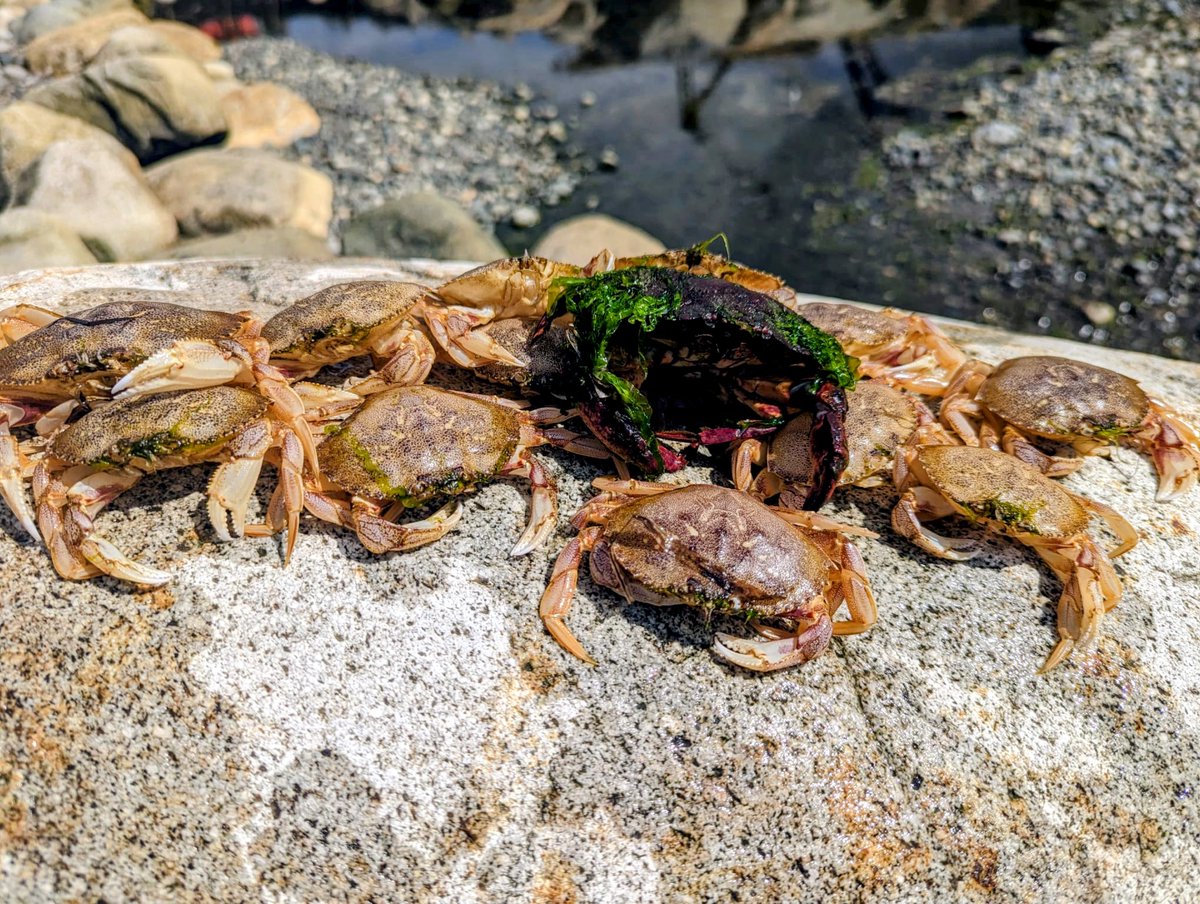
781,151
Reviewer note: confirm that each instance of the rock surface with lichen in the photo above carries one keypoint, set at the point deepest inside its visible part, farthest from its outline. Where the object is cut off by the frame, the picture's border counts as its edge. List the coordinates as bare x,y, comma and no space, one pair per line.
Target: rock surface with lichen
359,727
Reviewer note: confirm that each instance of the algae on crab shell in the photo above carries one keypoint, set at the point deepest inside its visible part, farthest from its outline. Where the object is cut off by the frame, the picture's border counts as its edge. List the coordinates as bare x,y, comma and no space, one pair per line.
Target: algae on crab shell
643,297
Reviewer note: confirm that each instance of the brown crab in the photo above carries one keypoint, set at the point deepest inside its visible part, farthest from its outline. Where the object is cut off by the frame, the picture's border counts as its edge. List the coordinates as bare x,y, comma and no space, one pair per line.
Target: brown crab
127,349
511,287
410,445
723,551
904,349
1010,497
1082,405
88,463
344,321
879,419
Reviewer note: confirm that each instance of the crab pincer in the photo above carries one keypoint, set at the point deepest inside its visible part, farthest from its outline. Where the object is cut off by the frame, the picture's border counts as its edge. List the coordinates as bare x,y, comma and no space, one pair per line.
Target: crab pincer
786,572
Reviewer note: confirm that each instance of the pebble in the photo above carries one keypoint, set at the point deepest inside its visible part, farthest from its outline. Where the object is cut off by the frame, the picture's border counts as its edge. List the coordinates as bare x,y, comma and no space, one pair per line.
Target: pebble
609,159
525,217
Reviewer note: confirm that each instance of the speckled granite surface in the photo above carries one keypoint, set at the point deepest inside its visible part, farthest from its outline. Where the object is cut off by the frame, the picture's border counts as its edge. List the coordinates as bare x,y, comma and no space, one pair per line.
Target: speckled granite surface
400,728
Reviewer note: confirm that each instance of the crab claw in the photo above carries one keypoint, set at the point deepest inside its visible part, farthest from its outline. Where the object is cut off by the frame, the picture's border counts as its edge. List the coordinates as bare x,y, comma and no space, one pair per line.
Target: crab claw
775,653
1175,446
12,469
115,563
188,364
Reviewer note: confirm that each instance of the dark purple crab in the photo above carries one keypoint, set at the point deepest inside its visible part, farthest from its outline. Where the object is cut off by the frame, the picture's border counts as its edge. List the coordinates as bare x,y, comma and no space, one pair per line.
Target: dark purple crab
676,354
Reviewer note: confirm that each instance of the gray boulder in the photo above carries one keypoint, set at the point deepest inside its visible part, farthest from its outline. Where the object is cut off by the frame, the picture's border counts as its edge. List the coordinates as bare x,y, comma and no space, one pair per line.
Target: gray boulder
26,130
156,105
270,243
101,194
224,190
422,224
578,239
60,14
30,238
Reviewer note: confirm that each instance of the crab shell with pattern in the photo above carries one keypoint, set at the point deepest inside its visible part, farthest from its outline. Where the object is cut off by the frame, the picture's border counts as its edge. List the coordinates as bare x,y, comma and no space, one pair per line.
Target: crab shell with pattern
786,572
409,446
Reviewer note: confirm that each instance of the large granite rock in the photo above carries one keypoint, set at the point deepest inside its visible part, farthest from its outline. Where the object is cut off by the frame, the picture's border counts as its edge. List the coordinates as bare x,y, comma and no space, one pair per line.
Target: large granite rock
419,224
157,105
101,194
400,728
30,238
577,240
26,130
223,190
68,50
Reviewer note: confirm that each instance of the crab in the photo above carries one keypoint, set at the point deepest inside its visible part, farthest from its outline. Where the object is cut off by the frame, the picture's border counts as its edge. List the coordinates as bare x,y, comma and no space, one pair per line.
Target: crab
88,463
344,321
723,551
1010,497
510,287
879,419
1088,407
699,261
411,445
904,349
663,350
543,365
128,349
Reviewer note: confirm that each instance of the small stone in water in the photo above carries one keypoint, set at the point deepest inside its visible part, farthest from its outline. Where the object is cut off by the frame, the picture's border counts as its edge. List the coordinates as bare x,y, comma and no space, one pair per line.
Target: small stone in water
526,217
587,99
609,159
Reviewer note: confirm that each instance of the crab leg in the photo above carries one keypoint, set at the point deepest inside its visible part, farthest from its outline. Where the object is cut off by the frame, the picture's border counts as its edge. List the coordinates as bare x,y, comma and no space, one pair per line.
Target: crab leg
233,482
67,528
283,511
921,504
543,506
1175,446
376,533
1091,588
749,452
13,467
408,358
1116,522
780,653
456,330
560,592
1018,446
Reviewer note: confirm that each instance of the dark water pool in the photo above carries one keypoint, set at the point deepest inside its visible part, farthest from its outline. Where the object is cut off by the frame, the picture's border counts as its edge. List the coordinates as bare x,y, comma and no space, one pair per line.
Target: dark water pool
778,148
